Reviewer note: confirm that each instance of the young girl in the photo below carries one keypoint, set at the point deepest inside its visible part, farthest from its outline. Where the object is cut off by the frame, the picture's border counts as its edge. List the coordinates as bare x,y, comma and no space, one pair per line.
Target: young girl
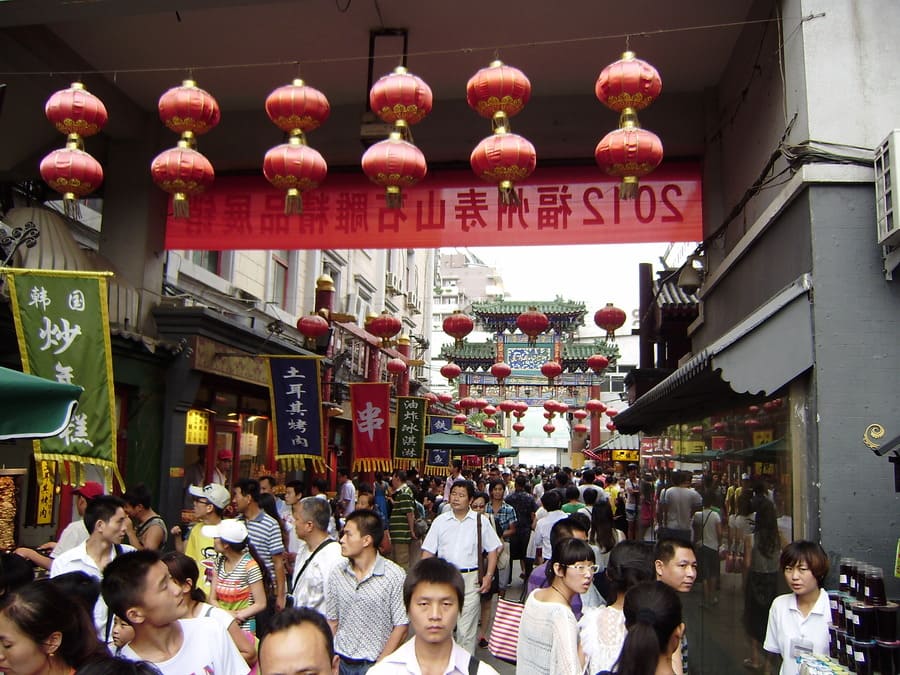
653,619
122,633
237,584
798,621
185,572
548,634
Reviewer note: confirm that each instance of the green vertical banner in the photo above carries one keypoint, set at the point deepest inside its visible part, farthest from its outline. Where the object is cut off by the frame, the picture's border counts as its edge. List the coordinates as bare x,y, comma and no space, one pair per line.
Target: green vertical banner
62,326
409,439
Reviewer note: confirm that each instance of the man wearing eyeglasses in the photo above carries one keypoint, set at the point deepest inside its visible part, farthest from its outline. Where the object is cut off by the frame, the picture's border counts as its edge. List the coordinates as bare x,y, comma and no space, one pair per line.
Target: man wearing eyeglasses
209,505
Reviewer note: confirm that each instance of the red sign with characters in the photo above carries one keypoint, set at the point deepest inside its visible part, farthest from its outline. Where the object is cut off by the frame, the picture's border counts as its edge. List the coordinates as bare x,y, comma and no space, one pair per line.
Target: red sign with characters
562,205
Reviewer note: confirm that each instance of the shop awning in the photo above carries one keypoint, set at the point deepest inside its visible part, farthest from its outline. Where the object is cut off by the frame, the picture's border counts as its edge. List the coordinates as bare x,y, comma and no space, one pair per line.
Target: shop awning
509,452
34,407
754,359
461,444
765,451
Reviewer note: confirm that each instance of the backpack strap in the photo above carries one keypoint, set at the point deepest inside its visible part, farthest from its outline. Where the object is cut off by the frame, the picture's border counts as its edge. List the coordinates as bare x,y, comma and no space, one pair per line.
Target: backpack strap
473,665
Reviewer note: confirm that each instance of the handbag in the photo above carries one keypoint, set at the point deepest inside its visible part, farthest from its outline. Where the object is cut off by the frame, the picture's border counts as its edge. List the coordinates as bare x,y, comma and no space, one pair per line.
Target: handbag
505,631
503,558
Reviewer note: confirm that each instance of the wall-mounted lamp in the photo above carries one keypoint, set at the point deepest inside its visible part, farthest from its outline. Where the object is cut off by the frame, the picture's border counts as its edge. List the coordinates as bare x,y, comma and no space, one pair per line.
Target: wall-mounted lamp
691,277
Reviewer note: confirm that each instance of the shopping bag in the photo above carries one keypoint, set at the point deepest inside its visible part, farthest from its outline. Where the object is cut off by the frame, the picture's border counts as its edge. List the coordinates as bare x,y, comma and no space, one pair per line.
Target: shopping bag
505,631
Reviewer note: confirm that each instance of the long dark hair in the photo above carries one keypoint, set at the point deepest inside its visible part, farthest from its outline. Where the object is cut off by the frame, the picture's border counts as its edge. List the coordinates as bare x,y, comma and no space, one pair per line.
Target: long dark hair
183,568
766,528
41,609
602,531
652,613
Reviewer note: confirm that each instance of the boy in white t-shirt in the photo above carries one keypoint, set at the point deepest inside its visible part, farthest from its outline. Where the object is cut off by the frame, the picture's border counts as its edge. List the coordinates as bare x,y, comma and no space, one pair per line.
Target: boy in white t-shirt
138,587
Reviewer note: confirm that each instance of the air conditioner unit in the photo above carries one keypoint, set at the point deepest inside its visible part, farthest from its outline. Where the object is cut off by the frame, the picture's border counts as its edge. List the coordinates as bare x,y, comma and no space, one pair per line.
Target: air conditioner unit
412,299
887,189
393,284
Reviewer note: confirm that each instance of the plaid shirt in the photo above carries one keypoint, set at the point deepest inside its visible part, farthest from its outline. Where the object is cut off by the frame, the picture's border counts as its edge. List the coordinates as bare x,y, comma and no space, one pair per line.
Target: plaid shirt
504,518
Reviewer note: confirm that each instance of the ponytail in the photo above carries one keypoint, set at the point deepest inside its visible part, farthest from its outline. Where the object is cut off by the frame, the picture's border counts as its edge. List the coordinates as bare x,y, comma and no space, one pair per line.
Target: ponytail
652,614
640,652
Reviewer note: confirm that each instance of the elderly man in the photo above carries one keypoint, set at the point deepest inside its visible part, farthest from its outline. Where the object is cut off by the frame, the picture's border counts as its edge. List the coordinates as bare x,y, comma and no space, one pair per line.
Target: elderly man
317,556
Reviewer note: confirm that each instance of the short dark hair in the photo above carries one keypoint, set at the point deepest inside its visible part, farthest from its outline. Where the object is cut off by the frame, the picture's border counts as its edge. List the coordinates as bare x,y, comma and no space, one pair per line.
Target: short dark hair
494,483
317,510
271,479
467,484
565,529
588,476
666,549
295,485
100,508
809,552
568,552
630,563
590,496
399,473
125,580
369,524
572,492
15,572
521,482
138,495
344,472
79,586
320,484
551,500
433,571
117,665
248,487
297,616
456,464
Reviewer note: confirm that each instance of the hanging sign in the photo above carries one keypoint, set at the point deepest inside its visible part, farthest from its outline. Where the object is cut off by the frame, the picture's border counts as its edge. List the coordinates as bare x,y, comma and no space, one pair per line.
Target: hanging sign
296,397
439,423
409,439
558,205
437,461
62,325
370,404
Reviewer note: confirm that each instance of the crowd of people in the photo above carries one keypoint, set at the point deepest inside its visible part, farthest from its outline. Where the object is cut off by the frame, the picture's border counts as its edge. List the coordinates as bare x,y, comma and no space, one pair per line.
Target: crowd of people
400,575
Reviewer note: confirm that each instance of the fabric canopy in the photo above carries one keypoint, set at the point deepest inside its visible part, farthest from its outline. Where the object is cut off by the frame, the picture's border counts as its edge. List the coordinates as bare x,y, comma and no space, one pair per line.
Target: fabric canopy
34,407
460,444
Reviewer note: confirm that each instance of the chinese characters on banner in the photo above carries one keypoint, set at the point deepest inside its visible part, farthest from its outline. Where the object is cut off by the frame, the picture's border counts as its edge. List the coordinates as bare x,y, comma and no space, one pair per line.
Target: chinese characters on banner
294,389
46,484
409,439
439,423
558,205
370,403
437,461
62,325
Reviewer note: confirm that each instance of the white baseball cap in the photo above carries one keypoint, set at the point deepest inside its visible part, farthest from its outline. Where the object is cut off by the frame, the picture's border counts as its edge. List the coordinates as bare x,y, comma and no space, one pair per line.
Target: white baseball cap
230,530
217,494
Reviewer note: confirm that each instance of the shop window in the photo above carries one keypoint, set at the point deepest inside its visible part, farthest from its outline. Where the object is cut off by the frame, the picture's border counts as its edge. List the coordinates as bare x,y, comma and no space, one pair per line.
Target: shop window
280,278
208,260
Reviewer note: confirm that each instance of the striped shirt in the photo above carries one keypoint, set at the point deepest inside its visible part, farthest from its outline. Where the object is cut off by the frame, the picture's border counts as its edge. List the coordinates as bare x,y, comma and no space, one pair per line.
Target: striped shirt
233,587
403,504
265,535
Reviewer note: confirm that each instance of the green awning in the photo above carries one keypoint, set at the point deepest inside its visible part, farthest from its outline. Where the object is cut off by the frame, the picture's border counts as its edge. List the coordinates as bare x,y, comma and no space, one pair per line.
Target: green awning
461,444
32,407
509,452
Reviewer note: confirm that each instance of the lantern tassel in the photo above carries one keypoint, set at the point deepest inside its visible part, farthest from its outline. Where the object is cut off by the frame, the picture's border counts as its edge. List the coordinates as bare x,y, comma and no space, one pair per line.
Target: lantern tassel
293,202
629,187
70,206
392,197
508,194
180,205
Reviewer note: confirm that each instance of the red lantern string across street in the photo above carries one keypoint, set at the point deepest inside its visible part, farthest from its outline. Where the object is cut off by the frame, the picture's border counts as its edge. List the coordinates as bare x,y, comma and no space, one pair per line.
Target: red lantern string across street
460,419
501,371
445,398
611,413
481,403
489,423
401,98
629,153
550,406
548,429
312,327
532,323
189,110
451,371
610,318
611,426
430,398
76,111
489,410
597,363
384,326
518,414
580,428
458,326
550,370
467,403
518,427
580,414
521,407
595,407
629,82
498,89
396,366
507,406
394,164
297,107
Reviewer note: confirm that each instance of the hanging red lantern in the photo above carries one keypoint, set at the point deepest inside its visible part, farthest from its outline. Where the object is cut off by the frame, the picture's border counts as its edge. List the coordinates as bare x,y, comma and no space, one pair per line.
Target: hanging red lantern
76,111
460,419
752,423
505,159
501,371
597,363
697,430
498,89
610,412
481,403
580,414
611,426
507,406
396,366
297,107
518,427
610,318
401,98
182,172
580,429
430,398
384,326
550,405
754,409
188,110
550,370
518,414
394,164
548,429
720,426
629,82
595,406
312,327
629,153
549,415
489,410
489,423
73,173
445,398
295,168
458,326
562,408
451,371
521,407
532,323
467,403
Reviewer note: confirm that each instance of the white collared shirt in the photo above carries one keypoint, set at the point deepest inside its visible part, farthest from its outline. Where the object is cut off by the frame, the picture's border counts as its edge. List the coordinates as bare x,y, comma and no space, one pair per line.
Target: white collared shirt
787,623
456,541
404,662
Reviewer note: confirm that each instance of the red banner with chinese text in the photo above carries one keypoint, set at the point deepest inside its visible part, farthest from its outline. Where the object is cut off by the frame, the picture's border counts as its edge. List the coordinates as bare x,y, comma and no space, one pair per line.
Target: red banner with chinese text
370,403
559,205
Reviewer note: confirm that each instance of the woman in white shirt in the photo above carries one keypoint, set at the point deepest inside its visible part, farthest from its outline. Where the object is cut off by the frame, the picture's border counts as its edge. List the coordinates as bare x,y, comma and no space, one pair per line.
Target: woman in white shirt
798,621
548,633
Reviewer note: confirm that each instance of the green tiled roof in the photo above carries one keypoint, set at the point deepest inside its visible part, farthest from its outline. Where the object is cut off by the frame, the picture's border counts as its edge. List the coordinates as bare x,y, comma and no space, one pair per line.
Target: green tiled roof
565,315
481,355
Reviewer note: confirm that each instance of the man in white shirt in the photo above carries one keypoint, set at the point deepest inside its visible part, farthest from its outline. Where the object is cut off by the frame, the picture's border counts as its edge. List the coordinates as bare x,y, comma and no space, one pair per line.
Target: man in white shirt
433,593
138,588
318,555
104,518
677,504
347,493
543,549
222,470
453,536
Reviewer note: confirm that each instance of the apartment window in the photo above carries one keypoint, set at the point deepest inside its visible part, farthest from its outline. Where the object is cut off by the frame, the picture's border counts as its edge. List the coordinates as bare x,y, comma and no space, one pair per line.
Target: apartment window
208,260
280,268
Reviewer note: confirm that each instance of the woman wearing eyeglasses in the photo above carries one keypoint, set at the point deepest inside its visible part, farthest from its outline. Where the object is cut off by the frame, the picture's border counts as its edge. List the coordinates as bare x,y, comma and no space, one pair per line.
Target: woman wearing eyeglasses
548,633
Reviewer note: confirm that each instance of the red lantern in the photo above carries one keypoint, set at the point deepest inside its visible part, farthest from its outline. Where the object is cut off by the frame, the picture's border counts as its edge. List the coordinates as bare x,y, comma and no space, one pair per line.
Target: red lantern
182,171
312,326
629,153
507,406
720,426
385,326
481,403
498,89
595,407
489,410
295,168
446,398
548,429
532,323
76,111
489,423
518,414
754,409
396,366
580,428
521,407
611,413
467,403
505,159
611,426
430,398
458,326
610,318
394,164
580,414
501,371
550,370
697,430
549,415
550,405
297,107
518,427
401,98
751,423
628,83
188,110
73,173
597,363
451,371
460,419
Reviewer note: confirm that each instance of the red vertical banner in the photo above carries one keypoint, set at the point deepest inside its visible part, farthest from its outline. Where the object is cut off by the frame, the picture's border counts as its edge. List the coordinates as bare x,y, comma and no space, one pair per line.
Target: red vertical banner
370,403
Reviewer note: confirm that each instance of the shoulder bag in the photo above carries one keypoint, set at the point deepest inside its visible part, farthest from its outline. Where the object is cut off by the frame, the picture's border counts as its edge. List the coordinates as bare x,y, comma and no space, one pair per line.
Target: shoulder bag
289,600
